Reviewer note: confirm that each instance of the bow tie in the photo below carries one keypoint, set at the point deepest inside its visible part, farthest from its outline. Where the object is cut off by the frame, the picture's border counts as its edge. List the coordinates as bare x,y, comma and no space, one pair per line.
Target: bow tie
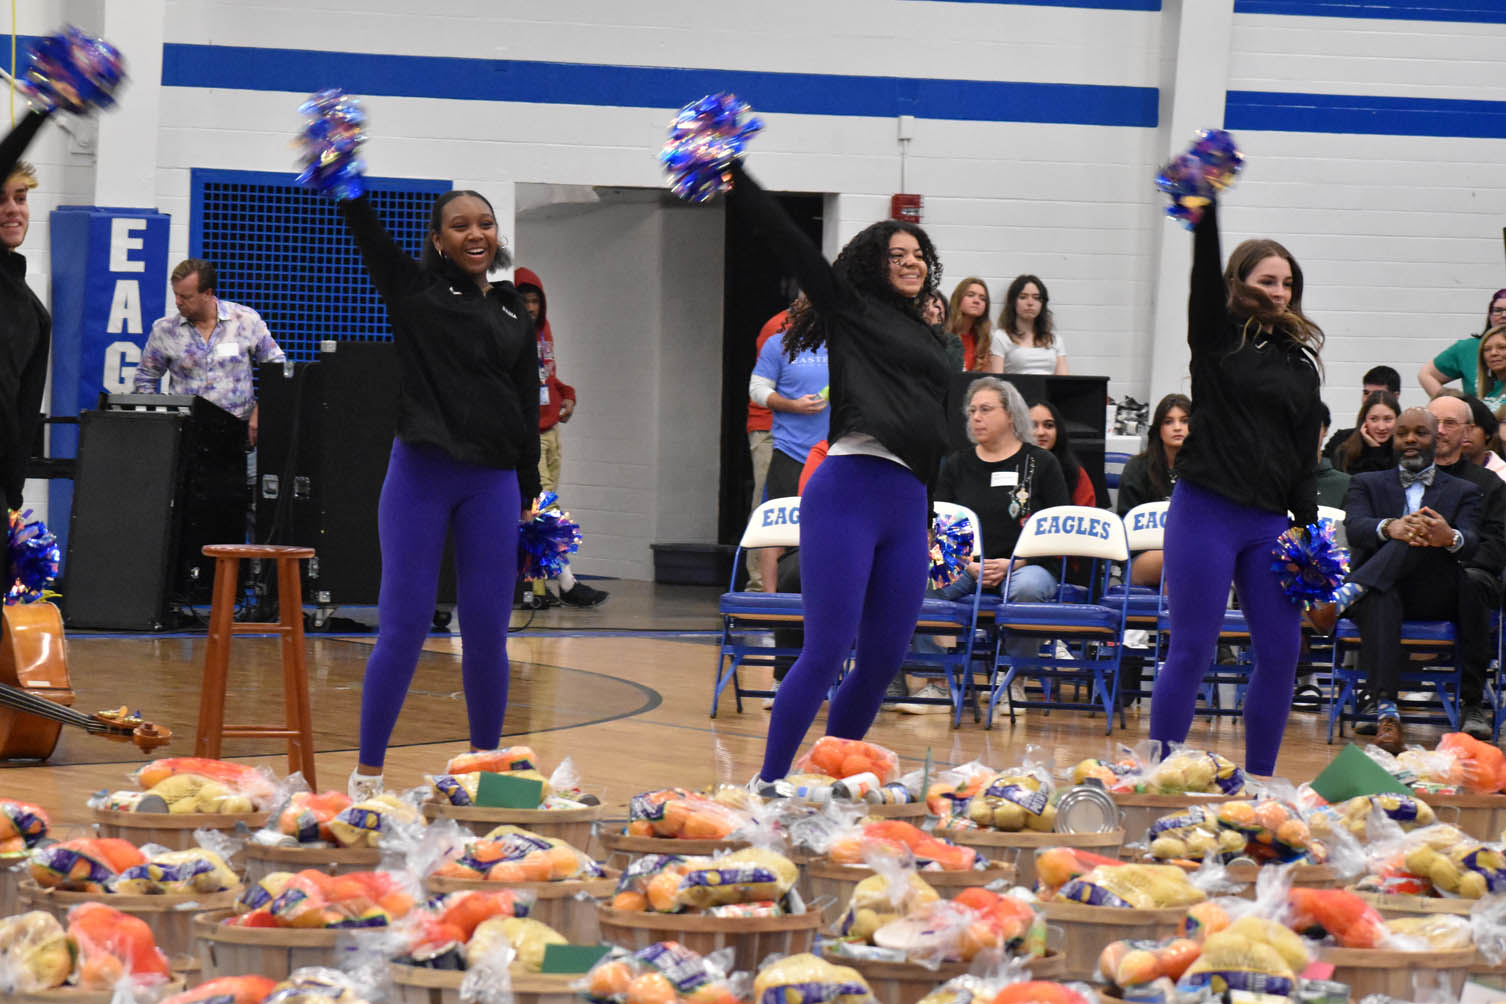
1425,476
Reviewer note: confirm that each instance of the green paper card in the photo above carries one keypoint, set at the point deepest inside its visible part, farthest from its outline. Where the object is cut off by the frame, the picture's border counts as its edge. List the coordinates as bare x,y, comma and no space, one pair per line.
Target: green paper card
502,791
571,958
1352,773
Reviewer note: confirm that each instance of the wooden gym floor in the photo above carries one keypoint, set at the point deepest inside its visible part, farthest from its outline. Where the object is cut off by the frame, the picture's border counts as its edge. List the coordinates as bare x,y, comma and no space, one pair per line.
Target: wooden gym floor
623,689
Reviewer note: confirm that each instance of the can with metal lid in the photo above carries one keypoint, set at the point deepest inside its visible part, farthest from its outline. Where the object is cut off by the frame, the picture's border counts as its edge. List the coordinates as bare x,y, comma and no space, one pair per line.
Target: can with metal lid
1086,808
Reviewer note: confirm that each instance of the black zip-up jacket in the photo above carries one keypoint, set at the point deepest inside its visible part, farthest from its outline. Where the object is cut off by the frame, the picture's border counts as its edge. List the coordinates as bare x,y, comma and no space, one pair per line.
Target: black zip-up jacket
888,369
25,340
470,372
1255,404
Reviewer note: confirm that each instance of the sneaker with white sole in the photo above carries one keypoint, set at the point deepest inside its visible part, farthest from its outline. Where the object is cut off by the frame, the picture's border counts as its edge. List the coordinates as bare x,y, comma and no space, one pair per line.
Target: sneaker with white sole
768,702
362,787
932,690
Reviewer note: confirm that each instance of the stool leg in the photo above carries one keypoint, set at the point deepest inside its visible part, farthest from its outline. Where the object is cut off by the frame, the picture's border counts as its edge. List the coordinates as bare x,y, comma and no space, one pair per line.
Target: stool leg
217,659
295,670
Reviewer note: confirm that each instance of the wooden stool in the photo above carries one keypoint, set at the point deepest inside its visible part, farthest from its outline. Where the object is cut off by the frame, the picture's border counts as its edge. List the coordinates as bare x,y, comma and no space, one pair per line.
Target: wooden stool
297,728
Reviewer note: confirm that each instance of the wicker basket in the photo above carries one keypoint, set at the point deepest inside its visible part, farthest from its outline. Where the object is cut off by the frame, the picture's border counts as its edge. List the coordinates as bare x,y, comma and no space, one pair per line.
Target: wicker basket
1392,906
10,882
416,985
632,848
826,878
73,995
752,939
267,951
169,916
1138,810
908,982
573,826
994,843
173,830
262,861
1382,971
1480,816
558,904
1088,928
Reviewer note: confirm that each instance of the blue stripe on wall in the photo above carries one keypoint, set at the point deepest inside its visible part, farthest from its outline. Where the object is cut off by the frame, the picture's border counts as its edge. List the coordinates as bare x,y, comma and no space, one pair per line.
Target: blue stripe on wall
1478,11
257,69
1081,4
1277,111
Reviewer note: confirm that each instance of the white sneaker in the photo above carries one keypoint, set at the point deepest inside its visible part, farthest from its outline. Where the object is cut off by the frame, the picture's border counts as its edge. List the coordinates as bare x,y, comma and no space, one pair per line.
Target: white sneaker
935,690
1135,638
768,702
361,787
1062,652
1017,690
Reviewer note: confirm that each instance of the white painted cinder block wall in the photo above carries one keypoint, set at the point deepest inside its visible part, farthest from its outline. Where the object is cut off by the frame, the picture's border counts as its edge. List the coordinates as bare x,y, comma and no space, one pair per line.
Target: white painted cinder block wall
1397,233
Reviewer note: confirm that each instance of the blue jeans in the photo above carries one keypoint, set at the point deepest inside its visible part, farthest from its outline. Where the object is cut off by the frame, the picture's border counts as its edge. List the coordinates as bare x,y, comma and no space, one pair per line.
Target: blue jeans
1030,584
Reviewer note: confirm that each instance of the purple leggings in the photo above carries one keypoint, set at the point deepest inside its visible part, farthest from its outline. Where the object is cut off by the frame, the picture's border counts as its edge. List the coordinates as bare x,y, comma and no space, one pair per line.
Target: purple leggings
863,561
1210,542
425,492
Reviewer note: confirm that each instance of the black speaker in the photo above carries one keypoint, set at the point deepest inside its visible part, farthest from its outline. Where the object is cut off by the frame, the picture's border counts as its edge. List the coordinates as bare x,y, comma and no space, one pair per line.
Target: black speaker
122,532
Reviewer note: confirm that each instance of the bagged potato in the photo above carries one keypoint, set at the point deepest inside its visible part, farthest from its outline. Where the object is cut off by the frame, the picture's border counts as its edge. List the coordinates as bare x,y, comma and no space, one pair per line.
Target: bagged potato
22,826
512,854
1189,770
883,898
1012,801
1438,933
176,873
528,938
751,874
665,972
651,882
1194,834
34,953
1141,887
307,816
363,823
689,815
1126,963
1254,954
87,864
808,979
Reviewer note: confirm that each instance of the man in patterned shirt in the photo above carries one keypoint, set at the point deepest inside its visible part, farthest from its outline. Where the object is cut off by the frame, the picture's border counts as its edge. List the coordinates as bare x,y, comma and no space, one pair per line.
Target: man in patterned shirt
208,346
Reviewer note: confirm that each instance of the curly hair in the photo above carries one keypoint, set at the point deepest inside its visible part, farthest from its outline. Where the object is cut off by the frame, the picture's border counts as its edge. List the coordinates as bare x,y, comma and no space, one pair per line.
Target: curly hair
864,265
1252,303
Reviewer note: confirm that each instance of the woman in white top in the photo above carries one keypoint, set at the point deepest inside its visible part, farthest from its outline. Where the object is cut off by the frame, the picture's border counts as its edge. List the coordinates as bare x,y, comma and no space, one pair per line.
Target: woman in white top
1024,342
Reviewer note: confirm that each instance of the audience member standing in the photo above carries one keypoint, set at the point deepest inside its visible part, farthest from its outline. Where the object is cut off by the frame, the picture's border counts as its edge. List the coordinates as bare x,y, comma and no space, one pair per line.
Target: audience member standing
1368,447
1458,361
1026,341
1150,475
1490,370
761,442
967,318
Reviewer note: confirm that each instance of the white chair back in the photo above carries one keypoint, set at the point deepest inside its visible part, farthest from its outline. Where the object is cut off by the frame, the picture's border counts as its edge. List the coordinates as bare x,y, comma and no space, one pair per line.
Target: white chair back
953,511
1332,514
775,523
1145,526
1074,530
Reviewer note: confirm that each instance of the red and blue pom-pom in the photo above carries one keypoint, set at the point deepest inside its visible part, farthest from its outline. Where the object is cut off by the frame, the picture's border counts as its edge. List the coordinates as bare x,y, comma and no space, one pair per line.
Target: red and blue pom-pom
704,140
330,144
1193,179
1310,564
951,549
34,559
73,72
545,538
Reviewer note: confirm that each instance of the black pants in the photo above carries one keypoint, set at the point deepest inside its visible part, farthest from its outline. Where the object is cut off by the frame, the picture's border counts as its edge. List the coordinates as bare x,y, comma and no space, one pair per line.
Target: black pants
1422,583
787,581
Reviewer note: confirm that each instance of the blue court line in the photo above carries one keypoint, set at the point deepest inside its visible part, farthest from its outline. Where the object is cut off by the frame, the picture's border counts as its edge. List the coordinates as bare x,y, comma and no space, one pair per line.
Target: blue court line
1153,5
1281,111
538,82
1475,11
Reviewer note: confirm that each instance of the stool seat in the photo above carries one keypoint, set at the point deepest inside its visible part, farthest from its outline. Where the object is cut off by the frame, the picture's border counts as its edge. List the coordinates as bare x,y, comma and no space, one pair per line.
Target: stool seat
253,551
297,726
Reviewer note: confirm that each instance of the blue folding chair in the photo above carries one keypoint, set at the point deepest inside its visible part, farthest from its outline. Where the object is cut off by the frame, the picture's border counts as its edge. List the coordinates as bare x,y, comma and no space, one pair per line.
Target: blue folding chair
956,619
1144,530
748,617
1091,628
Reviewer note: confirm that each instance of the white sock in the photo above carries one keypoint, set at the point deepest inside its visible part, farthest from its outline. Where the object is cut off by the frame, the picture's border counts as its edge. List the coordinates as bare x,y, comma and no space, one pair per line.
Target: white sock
566,580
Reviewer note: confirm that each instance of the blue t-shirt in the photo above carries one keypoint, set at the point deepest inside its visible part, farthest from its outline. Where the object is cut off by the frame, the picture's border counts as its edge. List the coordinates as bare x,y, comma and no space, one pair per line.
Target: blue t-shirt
795,434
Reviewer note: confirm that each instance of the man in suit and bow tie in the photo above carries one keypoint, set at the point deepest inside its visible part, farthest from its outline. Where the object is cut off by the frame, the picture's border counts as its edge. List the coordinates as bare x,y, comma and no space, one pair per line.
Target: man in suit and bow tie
1412,531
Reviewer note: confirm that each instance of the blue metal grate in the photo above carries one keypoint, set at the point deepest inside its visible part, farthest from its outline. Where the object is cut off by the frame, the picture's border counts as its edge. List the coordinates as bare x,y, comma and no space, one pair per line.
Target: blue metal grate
284,252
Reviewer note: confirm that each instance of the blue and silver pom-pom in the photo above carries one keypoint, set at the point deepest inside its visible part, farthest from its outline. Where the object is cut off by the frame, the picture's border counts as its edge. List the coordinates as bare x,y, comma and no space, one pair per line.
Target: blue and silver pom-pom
73,72
330,144
951,549
34,559
1310,564
545,538
704,140
1193,179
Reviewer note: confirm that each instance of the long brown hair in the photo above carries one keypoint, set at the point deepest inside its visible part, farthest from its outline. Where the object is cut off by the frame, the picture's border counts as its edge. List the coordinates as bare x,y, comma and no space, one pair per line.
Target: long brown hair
1355,444
1157,463
1009,317
1483,377
1252,303
980,328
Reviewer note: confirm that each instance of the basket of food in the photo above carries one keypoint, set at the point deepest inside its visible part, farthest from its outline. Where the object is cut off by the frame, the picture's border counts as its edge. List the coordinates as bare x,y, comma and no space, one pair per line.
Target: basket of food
327,832
23,826
561,810
177,795
82,963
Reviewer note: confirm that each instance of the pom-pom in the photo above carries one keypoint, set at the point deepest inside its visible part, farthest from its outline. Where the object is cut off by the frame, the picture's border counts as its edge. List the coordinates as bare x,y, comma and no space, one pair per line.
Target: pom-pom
544,538
73,72
951,549
704,139
330,142
1310,564
1193,179
34,559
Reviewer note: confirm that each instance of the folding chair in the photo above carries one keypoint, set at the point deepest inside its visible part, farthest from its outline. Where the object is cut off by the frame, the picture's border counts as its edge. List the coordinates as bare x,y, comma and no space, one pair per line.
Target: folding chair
775,523
1144,530
1443,676
1091,630
957,619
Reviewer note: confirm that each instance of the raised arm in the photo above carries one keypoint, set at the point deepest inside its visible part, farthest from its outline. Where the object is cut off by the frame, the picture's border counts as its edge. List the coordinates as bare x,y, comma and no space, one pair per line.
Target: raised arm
752,207
18,139
392,271
1207,302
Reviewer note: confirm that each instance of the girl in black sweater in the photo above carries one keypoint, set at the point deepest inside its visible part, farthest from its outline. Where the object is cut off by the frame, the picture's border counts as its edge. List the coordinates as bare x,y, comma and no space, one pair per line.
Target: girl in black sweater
1250,457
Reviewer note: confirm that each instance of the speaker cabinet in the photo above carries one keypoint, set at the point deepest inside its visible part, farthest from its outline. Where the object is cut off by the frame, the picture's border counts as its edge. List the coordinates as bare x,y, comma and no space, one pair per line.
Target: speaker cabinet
123,530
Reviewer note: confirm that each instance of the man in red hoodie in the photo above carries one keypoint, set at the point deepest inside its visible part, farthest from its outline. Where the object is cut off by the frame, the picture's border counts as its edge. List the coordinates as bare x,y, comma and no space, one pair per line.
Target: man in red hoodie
556,405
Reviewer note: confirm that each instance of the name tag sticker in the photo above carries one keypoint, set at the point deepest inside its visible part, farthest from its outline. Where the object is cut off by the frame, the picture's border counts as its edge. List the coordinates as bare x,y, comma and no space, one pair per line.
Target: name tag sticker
226,350
1003,479
543,396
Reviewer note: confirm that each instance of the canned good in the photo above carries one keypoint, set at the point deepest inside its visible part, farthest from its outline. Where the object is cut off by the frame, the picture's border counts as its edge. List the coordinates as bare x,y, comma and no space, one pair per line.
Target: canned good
816,794
895,793
857,787
1086,808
